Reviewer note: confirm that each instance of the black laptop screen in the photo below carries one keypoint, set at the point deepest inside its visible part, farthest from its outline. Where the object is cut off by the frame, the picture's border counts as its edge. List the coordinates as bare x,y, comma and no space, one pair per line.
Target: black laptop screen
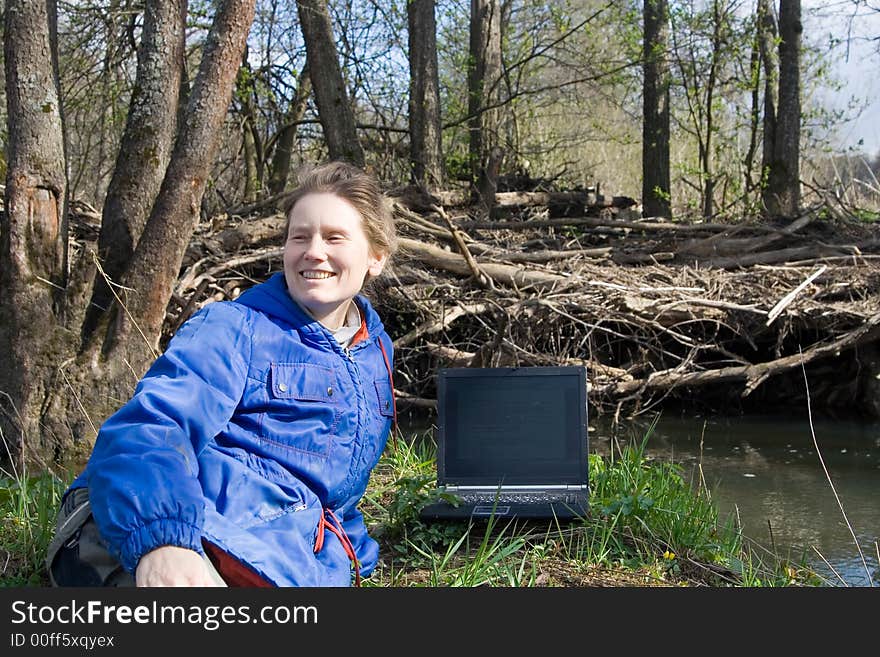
513,426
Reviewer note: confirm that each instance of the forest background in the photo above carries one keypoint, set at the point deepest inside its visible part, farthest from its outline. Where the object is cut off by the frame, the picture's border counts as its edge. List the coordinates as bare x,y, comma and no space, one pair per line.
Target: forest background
148,146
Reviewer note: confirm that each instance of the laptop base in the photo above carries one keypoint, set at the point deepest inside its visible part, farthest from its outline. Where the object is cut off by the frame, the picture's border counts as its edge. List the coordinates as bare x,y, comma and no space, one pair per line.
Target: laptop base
445,511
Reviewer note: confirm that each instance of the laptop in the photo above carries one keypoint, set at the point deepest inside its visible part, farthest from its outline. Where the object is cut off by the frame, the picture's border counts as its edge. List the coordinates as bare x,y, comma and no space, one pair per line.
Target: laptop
512,442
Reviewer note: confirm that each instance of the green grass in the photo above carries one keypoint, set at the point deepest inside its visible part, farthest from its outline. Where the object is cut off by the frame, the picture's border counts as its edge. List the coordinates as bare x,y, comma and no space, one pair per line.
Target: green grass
647,526
28,506
646,521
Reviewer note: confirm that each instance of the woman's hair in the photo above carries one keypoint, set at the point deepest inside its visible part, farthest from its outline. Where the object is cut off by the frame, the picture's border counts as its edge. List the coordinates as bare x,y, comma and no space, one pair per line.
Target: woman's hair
358,188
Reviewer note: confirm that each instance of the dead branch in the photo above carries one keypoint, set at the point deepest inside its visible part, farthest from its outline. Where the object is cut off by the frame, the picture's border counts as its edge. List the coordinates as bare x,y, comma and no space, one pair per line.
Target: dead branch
438,324
509,275
788,298
458,236
592,222
753,375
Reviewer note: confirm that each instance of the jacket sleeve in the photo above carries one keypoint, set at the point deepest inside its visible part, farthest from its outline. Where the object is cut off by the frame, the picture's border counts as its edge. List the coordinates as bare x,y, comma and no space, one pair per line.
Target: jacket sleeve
143,472
365,547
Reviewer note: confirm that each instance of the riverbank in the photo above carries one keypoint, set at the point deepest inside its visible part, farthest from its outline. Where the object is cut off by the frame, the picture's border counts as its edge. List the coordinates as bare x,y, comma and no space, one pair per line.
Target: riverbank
647,528
801,485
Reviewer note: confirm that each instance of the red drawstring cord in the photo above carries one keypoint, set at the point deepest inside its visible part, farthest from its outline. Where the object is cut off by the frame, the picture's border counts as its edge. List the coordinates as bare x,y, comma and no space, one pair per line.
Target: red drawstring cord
343,538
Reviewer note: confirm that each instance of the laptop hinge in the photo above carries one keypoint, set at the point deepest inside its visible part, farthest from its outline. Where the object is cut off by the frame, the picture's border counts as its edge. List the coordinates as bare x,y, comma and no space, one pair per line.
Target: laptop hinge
562,487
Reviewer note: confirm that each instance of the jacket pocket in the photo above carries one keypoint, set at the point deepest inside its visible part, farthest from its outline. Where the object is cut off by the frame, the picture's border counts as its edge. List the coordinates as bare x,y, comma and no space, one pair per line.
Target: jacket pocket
303,382
303,412
385,397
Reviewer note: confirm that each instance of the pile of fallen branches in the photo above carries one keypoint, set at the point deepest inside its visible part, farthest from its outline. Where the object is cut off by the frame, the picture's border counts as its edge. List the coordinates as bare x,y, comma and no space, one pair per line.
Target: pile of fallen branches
653,308
657,310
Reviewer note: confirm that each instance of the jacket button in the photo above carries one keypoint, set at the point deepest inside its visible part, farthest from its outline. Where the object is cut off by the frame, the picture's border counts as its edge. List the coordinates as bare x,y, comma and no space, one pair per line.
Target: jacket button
282,387
329,392
387,404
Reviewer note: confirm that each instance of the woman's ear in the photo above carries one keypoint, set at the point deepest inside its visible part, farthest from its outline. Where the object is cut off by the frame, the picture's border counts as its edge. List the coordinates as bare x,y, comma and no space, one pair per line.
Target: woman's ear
377,263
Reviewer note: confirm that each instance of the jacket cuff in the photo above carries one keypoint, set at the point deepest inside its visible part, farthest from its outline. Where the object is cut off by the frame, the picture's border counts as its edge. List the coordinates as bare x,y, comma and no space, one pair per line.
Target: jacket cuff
156,533
368,556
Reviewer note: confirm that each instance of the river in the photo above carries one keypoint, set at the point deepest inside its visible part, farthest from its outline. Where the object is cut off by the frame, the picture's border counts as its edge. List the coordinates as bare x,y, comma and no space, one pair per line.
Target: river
767,472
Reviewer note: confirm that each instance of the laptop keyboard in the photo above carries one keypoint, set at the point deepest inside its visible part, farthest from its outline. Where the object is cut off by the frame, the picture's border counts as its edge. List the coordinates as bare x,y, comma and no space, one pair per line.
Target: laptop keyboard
519,498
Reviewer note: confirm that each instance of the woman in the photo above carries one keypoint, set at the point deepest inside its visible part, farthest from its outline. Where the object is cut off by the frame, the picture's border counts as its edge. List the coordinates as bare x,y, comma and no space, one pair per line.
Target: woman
247,446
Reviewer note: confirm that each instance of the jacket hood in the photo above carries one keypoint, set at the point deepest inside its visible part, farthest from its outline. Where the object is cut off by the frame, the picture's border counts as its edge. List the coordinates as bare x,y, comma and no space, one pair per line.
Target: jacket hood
272,298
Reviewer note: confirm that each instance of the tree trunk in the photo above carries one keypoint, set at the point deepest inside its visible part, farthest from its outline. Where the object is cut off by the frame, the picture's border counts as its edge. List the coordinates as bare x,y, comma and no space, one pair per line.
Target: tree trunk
770,61
754,110
251,144
144,150
249,153
484,74
334,108
655,136
426,153
781,194
156,261
783,185
706,148
93,383
33,243
287,135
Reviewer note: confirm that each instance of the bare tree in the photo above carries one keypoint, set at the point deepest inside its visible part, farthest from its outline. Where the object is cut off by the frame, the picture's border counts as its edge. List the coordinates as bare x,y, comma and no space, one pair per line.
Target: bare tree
145,148
655,110
33,245
484,74
426,153
334,107
97,49
286,135
56,390
782,128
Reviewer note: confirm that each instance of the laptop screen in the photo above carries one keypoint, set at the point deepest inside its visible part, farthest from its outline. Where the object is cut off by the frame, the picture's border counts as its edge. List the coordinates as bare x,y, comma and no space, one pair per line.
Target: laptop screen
516,426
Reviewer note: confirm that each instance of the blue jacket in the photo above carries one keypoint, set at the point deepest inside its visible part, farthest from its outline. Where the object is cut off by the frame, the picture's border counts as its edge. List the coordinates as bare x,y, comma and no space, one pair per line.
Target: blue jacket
245,431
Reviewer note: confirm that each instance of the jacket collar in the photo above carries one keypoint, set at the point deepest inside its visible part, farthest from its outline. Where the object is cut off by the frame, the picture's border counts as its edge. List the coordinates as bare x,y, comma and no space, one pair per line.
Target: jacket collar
272,298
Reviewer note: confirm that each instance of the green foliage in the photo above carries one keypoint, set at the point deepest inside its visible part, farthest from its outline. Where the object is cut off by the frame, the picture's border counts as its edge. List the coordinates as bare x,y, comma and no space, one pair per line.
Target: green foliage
661,194
488,563
28,507
403,483
458,166
653,504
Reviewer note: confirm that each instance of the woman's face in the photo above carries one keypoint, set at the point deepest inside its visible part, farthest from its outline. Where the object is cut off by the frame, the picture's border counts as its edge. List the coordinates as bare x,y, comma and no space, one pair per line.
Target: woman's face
327,256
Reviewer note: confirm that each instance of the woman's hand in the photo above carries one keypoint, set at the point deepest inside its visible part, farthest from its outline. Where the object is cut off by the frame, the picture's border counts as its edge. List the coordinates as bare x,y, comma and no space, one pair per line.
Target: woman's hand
170,565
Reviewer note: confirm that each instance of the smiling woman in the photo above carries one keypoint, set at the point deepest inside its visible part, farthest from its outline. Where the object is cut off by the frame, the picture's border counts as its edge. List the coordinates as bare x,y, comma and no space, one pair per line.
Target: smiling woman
254,434
327,257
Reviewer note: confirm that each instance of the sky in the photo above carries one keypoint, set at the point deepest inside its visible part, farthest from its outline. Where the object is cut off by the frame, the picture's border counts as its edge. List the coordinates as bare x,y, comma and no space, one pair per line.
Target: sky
857,66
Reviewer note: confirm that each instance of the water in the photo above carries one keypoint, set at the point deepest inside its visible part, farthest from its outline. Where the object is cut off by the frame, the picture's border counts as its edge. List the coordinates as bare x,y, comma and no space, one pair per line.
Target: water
767,472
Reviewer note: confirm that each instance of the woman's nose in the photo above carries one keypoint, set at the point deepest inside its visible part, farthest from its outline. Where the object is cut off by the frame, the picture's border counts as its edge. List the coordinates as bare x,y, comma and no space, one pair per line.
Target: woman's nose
315,249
